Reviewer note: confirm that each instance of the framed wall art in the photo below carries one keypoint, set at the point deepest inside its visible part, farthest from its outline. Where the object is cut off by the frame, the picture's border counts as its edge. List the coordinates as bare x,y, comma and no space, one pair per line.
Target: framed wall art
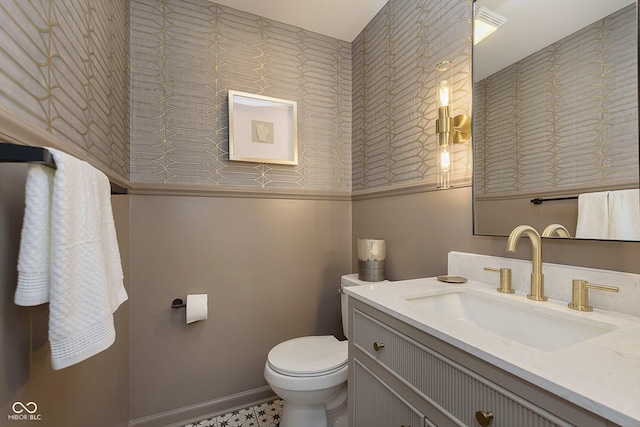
262,129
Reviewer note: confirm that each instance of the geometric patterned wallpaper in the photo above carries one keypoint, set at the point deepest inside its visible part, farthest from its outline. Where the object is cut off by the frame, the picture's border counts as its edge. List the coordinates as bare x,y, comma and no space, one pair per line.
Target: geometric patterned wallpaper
186,55
64,69
394,99
566,116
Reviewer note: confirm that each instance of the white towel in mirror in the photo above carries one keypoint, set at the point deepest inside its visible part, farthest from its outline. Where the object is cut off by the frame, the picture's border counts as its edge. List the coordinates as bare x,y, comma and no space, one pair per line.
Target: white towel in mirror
593,215
624,215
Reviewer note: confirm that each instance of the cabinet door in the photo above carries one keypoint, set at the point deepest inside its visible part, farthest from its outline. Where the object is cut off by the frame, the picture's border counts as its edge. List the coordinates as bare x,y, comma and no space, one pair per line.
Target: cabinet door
377,405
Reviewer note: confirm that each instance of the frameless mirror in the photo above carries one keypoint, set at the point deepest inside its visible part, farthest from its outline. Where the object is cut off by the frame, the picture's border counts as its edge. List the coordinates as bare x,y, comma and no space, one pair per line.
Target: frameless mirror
555,109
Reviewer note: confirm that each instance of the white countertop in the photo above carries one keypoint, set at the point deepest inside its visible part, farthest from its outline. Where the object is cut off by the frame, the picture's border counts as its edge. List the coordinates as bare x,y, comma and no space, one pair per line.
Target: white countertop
601,374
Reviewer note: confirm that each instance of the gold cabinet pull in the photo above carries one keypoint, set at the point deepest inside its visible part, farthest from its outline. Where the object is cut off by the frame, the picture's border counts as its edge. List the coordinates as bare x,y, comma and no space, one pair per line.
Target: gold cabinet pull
484,418
377,346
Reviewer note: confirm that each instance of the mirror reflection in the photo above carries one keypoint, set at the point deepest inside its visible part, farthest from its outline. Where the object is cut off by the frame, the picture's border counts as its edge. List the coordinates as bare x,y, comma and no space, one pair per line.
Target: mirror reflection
555,118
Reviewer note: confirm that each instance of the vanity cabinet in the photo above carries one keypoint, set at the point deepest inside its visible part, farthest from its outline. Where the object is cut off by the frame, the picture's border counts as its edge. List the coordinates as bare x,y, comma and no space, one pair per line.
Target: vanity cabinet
402,376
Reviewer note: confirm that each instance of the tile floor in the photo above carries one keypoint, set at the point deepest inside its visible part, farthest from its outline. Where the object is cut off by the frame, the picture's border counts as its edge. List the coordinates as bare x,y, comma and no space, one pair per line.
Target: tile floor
263,415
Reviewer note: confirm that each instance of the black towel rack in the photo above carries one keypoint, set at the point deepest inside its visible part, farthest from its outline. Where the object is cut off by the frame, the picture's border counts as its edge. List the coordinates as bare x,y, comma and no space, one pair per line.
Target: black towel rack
25,154
14,153
539,201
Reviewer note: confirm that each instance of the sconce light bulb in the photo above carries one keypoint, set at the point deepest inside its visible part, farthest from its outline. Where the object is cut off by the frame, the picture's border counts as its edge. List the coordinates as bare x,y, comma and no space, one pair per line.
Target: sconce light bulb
445,160
443,93
444,166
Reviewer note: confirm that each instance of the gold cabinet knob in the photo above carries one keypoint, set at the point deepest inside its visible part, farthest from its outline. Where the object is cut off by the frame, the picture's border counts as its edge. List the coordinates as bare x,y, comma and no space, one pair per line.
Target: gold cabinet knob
377,346
484,418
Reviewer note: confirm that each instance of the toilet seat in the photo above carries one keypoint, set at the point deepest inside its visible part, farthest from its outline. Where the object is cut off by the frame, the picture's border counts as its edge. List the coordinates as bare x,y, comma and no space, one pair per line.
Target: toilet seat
308,356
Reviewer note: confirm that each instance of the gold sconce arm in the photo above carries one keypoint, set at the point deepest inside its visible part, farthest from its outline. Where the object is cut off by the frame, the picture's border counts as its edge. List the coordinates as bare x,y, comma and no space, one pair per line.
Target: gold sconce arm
461,128
452,130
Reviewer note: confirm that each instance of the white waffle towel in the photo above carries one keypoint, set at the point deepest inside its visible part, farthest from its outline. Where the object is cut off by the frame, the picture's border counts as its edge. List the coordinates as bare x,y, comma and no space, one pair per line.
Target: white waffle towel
35,243
86,279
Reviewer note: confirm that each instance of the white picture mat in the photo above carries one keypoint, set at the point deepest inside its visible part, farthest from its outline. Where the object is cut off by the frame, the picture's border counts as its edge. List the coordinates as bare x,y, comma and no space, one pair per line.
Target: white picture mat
247,109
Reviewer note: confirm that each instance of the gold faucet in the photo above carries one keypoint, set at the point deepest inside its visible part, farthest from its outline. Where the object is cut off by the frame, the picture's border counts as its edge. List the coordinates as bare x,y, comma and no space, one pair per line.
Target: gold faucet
537,278
558,229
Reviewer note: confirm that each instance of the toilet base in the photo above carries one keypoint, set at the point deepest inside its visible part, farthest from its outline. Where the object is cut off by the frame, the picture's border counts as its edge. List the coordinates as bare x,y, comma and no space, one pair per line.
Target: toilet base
303,415
333,414
337,415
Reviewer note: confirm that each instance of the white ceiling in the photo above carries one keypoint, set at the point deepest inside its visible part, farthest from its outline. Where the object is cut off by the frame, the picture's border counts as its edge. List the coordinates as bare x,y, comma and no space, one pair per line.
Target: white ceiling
340,19
533,25
345,19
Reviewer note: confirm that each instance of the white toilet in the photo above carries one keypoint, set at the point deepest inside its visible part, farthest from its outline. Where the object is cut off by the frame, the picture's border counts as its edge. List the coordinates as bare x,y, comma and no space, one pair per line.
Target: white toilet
310,375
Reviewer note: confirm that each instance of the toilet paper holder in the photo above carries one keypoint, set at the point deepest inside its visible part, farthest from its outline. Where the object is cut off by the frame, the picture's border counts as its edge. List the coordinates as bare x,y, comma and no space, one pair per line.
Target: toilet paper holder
178,303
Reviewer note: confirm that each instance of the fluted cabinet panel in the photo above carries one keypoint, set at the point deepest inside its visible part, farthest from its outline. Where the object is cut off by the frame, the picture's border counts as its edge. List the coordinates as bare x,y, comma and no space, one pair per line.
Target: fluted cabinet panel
579,130
376,405
64,68
187,54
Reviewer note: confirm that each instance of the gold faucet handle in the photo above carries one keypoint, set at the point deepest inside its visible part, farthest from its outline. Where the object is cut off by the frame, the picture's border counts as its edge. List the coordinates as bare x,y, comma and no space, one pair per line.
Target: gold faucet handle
580,297
505,279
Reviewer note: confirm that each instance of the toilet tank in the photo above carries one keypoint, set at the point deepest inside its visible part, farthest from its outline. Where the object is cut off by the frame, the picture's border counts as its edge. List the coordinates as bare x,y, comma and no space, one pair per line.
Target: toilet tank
346,281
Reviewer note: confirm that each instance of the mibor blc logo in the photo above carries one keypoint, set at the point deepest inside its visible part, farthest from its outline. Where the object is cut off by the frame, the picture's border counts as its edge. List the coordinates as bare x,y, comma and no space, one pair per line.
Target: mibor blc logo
24,412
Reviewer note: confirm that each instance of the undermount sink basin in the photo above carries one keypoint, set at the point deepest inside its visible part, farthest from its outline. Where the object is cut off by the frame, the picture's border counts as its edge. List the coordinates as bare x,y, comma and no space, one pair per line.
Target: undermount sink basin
520,321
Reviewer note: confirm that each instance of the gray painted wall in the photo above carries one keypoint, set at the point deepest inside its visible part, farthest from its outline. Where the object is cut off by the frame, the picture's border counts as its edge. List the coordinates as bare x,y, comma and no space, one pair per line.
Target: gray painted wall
271,269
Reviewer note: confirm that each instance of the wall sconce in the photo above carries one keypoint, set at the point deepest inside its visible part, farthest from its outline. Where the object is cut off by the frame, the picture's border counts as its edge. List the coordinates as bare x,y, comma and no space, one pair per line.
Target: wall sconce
450,130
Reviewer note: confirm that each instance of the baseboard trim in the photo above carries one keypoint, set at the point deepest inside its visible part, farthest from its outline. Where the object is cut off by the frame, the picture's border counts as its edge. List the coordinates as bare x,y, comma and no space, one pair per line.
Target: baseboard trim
212,408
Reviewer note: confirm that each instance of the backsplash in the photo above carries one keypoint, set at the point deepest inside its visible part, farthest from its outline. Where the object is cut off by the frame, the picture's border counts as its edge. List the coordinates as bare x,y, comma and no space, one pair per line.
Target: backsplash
557,280
186,55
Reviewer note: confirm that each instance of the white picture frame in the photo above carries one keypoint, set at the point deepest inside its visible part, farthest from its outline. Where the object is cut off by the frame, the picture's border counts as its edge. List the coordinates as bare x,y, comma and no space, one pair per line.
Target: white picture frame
262,129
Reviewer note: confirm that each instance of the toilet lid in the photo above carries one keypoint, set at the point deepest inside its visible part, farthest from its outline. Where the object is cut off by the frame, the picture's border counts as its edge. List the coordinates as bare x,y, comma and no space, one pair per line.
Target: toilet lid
308,356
